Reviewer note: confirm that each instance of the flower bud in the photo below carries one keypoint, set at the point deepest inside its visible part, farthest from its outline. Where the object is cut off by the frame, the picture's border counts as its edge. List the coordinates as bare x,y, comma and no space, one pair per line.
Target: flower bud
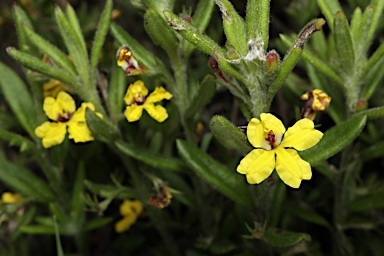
215,68
317,100
272,61
361,105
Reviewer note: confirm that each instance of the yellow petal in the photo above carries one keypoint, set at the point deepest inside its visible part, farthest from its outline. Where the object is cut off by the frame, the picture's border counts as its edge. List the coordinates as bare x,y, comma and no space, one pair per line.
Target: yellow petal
79,115
156,112
79,132
51,133
136,91
291,168
133,112
53,87
10,198
272,123
158,95
302,135
257,165
255,133
125,223
64,103
129,207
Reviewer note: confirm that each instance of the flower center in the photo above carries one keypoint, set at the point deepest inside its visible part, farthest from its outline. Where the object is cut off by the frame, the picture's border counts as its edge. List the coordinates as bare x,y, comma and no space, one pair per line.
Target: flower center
64,117
271,138
138,100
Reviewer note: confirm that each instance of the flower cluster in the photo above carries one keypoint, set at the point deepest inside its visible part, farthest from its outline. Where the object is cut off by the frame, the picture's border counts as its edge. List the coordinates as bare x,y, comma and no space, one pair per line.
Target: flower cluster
130,210
317,100
276,149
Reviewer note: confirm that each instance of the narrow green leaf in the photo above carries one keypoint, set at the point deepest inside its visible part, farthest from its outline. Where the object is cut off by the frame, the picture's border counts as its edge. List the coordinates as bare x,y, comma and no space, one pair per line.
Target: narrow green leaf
38,229
202,97
343,43
18,98
75,46
59,248
229,136
144,56
116,91
161,33
378,6
373,60
39,66
58,212
16,139
107,191
372,113
372,80
234,27
368,202
257,20
319,64
228,182
21,19
360,39
73,21
100,36
293,55
101,128
355,22
150,158
329,8
282,238
343,133
55,54
194,36
77,194
25,182
97,223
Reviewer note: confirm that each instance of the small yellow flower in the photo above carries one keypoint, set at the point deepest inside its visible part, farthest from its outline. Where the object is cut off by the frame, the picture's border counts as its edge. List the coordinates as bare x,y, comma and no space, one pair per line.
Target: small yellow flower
137,100
317,100
163,197
127,61
130,210
10,198
272,150
53,87
62,111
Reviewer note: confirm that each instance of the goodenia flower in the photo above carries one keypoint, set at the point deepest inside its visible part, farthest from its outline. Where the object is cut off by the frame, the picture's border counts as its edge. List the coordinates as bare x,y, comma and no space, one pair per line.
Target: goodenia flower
317,100
10,198
276,149
127,61
137,100
130,210
62,112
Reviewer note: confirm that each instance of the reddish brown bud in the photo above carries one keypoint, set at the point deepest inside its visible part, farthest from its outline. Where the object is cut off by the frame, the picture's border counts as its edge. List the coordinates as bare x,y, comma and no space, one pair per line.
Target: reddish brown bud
272,61
215,68
187,19
361,105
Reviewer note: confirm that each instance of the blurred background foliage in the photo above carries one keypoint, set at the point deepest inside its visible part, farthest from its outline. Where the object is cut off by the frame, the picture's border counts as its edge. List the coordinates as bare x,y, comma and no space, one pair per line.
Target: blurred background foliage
199,220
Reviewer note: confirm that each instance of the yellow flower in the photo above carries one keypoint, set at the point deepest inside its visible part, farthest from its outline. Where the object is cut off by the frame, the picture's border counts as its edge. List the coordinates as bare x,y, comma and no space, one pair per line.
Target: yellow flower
317,100
272,150
137,100
53,87
130,210
10,198
62,111
127,61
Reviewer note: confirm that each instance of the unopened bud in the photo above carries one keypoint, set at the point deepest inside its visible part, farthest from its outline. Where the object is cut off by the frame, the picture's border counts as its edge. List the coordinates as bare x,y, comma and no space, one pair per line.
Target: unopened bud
361,105
127,61
215,68
272,61
317,100
187,19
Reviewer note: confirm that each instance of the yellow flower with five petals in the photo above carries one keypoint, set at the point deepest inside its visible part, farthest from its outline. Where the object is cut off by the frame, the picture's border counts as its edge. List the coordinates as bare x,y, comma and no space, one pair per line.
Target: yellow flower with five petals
137,100
62,111
130,210
276,149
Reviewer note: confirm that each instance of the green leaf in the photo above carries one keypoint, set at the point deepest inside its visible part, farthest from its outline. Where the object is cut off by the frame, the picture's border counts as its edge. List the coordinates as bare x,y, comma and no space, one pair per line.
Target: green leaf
109,190
293,55
21,19
40,66
372,80
161,33
144,56
116,91
329,8
102,129
202,97
257,20
343,133
73,21
77,194
234,27
59,248
229,135
97,223
356,22
343,43
55,54
372,113
38,229
368,202
150,158
100,36
373,60
360,39
16,139
307,214
75,45
25,182
377,6
318,63
374,151
228,182
282,238
18,98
